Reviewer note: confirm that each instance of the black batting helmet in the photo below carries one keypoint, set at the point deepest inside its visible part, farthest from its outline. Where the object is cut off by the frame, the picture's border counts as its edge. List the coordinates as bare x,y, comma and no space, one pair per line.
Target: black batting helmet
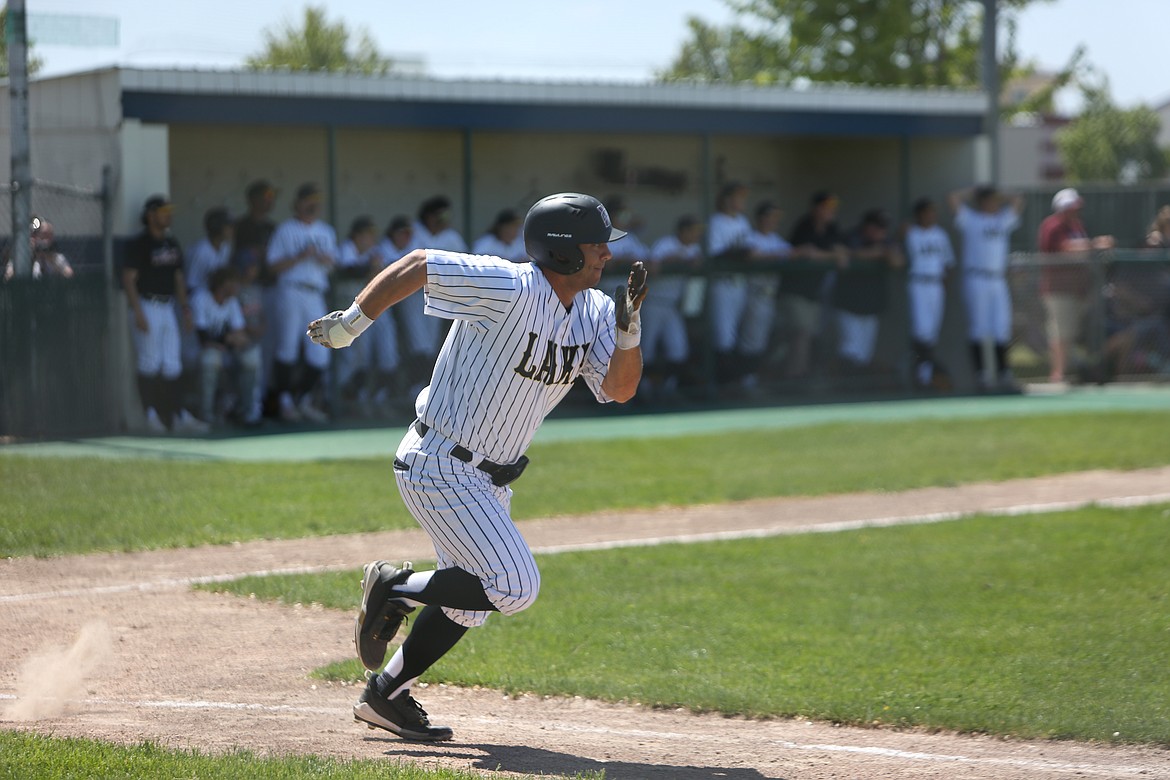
558,224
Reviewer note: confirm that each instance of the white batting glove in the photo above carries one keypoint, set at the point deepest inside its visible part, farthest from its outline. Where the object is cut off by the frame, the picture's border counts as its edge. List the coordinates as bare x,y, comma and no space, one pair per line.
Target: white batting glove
339,329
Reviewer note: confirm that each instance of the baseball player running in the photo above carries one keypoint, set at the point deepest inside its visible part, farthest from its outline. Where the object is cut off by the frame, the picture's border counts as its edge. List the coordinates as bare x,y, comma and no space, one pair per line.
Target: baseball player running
521,334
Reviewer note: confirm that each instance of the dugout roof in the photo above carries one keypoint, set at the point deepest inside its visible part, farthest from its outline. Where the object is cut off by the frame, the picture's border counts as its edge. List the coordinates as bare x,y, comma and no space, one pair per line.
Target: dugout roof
288,98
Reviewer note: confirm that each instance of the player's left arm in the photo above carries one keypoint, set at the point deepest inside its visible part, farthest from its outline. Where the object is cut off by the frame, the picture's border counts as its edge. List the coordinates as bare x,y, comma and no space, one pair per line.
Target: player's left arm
625,365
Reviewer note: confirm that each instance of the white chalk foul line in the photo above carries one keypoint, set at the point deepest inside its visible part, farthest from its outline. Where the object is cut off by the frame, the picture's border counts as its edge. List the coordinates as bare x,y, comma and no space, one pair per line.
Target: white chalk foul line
614,544
1042,765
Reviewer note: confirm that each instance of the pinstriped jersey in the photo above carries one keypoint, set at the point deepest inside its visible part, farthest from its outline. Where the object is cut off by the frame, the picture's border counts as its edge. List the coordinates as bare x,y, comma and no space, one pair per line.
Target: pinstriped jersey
512,353
928,250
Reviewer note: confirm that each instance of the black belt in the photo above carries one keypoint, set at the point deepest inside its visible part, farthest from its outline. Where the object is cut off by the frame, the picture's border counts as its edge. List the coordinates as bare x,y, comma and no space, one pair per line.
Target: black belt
310,287
157,298
501,473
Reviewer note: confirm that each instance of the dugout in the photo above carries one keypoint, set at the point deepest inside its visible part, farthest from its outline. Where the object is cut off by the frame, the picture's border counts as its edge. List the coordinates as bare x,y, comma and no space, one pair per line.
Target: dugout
380,145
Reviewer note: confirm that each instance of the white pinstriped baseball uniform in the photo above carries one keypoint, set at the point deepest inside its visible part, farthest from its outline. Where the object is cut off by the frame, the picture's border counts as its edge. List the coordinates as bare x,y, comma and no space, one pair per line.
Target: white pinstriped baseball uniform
301,289
422,332
662,320
929,254
985,257
728,297
511,355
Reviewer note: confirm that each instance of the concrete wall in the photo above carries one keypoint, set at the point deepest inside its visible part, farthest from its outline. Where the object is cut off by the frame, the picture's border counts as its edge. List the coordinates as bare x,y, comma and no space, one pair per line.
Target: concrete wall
387,172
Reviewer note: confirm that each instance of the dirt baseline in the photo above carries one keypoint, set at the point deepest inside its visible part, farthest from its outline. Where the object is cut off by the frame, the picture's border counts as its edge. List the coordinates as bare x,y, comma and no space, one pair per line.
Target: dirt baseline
118,647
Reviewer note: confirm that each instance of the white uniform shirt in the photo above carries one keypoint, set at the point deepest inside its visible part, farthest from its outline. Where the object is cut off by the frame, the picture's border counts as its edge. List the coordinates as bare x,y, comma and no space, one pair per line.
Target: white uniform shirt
348,258
216,319
512,353
771,244
291,238
986,238
929,251
203,259
668,288
489,244
629,249
726,231
448,240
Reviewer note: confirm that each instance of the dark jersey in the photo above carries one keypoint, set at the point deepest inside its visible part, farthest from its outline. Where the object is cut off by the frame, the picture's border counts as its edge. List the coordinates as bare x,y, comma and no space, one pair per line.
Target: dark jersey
807,281
861,287
251,239
156,260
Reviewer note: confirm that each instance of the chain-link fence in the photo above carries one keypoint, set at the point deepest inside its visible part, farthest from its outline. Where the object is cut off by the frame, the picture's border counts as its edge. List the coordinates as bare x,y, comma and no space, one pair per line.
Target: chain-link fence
59,362
1108,313
1126,213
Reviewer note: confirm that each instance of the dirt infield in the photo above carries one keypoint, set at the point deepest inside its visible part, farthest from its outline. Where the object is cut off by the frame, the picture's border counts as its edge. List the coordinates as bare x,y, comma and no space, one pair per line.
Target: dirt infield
118,647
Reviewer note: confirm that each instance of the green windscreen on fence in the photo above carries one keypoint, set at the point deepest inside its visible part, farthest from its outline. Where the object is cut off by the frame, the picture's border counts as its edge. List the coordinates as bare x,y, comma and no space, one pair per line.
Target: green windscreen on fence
56,361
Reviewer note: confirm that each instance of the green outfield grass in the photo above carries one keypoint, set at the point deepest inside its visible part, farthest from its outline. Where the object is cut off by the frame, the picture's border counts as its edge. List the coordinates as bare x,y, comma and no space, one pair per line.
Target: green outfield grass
70,505
33,756
1041,626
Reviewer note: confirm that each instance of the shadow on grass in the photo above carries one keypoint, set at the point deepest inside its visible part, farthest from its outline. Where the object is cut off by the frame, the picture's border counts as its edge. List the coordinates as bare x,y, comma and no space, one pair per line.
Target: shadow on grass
540,762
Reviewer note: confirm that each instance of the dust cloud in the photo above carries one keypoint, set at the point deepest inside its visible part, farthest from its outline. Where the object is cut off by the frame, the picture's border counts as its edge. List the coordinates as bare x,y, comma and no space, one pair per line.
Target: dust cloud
52,679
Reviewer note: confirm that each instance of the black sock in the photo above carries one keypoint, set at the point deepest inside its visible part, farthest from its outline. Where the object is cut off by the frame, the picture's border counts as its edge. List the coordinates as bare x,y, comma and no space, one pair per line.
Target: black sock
431,637
1000,358
170,399
310,376
977,358
148,391
282,377
454,588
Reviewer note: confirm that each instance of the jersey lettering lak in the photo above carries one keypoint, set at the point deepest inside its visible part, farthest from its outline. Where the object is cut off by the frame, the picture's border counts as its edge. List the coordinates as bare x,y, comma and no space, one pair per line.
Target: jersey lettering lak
513,351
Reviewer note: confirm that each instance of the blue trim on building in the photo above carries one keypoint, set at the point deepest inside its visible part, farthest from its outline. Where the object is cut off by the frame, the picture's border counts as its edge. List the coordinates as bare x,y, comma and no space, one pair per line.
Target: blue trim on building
171,108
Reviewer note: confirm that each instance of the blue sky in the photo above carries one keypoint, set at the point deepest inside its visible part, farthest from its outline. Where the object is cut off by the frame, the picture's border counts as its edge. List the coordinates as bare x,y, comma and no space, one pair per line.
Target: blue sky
593,40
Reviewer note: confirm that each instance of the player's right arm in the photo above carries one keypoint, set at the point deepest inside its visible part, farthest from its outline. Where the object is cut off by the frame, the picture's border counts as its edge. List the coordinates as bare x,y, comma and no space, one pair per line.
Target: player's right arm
393,283
130,285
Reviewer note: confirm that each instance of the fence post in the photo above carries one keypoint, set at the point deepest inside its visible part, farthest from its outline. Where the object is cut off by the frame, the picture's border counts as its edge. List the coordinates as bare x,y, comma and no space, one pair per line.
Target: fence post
125,412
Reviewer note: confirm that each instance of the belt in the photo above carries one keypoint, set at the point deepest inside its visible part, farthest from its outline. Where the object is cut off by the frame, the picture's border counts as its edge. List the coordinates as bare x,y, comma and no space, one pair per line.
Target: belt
157,298
501,473
306,286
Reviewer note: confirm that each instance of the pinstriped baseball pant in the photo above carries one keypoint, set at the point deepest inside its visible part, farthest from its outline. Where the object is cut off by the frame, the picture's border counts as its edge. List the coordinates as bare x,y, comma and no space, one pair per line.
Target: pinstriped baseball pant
468,520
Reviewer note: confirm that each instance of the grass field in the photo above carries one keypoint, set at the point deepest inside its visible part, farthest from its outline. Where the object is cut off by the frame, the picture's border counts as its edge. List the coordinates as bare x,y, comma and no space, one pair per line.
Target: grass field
1042,626
72,505
32,756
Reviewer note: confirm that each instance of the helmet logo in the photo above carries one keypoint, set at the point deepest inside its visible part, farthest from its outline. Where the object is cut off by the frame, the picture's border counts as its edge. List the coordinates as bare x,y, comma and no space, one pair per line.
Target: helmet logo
604,216
559,235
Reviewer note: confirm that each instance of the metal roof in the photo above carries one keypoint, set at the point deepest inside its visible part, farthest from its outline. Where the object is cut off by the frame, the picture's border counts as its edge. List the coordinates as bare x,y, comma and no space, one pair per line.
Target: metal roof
344,100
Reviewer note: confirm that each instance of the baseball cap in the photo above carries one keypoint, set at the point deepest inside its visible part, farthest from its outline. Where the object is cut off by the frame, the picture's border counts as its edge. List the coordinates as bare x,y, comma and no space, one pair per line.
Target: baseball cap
824,196
258,188
506,216
156,202
1066,199
399,222
308,190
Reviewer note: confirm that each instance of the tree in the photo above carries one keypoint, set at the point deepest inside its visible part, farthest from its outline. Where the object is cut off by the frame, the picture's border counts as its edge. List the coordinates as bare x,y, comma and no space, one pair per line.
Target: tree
872,42
34,62
319,45
1109,144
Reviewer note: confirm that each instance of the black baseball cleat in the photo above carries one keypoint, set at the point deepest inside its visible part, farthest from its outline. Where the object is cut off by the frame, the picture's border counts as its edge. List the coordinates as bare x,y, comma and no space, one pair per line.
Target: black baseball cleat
401,715
380,616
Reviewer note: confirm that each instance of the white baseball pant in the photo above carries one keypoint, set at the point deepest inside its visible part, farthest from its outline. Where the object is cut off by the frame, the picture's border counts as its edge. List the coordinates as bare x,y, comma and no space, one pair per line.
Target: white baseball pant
298,305
159,350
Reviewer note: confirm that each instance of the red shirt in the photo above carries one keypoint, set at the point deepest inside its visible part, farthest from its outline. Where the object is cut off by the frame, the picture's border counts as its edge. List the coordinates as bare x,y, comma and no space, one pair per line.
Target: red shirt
1067,275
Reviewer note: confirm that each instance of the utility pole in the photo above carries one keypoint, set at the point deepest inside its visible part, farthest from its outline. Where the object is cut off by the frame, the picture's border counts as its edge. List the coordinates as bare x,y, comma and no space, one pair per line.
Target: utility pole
21,184
990,73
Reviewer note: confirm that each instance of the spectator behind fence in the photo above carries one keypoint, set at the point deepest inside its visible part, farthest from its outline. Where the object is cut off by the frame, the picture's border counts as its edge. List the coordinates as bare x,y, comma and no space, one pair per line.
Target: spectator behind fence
859,295
1158,236
765,245
727,243
665,347
1065,276
302,252
257,296
503,239
211,252
152,278
931,257
821,247
366,371
431,230
225,346
985,221
626,252
46,261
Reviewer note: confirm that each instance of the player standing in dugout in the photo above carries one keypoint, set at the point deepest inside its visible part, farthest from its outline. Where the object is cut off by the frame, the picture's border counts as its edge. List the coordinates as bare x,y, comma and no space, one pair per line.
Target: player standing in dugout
522,333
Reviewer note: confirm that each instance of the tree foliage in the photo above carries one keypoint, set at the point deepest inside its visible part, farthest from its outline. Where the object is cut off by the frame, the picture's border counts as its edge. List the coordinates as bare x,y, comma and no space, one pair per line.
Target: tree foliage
870,42
1109,144
34,62
319,45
